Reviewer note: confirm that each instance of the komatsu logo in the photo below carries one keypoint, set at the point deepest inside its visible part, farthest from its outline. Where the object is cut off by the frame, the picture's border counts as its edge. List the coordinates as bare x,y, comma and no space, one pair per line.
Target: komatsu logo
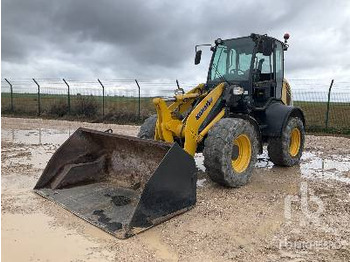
205,107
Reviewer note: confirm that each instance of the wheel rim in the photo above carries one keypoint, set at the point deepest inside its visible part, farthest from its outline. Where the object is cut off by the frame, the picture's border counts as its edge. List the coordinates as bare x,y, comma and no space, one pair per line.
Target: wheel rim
241,160
295,141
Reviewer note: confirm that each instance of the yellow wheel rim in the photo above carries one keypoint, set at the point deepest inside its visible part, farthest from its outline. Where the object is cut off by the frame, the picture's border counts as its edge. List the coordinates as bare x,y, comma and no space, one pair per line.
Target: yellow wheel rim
295,141
244,153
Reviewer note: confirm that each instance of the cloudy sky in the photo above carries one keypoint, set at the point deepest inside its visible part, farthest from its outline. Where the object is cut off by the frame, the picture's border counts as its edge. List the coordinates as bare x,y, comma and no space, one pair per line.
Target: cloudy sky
155,39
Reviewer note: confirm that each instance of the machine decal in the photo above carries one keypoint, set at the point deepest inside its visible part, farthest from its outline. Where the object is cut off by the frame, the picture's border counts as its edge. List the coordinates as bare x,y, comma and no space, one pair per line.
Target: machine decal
205,107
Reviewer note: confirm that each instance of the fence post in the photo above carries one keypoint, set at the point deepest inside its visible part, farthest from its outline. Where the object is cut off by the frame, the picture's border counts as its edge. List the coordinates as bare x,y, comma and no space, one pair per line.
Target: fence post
39,102
139,102
68,93
11,94
328,101
103,98
177,83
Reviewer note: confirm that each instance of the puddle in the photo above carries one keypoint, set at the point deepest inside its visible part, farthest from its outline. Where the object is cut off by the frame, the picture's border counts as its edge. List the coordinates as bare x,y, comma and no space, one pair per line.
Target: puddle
36,136
40,156
314,167
199,159
200,182
37,156
35,237
332,167
311,166
263,160
39,145
154,241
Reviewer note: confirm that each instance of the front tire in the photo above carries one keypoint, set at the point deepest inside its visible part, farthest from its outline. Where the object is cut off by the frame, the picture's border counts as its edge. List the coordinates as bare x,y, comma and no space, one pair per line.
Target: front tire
287,149
230,152
147,129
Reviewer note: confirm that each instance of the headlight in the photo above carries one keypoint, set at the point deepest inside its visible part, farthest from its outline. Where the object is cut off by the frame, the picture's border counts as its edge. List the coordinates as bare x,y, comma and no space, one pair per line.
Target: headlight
237,90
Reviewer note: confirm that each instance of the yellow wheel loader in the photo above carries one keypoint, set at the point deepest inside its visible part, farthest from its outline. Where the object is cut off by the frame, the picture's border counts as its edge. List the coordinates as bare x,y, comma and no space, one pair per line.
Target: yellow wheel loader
125,185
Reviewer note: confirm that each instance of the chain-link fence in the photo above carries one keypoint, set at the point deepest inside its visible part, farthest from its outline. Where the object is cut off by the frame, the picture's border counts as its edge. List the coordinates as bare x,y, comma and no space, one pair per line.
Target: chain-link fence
130,100
326,104
323,116
119,100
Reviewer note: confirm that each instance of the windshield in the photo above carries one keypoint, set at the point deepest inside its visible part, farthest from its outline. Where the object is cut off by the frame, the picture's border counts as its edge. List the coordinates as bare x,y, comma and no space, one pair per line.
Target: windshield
232,60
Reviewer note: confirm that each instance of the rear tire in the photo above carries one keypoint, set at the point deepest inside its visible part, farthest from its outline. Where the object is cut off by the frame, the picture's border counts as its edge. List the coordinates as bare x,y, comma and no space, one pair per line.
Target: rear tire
147,129
230,152
287,149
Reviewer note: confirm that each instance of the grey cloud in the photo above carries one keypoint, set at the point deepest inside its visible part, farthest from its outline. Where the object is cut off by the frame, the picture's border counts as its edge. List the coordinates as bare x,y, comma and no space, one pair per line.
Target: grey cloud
155,39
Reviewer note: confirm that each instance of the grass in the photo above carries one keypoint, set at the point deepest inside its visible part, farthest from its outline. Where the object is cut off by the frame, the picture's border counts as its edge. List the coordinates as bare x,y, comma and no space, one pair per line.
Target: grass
315,115
117,109
120,109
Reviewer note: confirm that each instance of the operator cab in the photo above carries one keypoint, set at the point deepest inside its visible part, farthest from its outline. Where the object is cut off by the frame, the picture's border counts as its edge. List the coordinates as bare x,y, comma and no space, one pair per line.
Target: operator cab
254,63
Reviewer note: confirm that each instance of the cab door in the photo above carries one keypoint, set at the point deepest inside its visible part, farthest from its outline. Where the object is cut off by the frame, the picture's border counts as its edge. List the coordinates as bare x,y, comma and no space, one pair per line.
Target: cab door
278,69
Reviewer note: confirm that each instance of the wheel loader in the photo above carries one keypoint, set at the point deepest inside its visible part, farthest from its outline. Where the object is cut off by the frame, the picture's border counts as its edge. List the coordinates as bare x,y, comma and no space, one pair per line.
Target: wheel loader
125,185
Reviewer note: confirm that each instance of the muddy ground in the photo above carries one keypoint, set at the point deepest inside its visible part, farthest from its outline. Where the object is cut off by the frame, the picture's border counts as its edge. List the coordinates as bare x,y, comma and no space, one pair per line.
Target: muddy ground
284,214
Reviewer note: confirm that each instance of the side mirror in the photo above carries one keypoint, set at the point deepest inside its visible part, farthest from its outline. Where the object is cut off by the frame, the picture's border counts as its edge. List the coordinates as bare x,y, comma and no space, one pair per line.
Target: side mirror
198,57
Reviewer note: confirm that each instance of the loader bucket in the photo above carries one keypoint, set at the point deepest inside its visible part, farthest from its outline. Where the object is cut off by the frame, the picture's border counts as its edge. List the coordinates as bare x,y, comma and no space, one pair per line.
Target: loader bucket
121,184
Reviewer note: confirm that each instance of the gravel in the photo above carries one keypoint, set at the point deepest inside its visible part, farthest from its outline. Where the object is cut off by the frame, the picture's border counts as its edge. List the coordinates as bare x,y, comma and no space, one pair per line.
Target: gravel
251,223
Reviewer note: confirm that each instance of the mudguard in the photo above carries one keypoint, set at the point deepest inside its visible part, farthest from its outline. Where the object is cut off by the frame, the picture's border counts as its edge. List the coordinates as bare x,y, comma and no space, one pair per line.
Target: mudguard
276,117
